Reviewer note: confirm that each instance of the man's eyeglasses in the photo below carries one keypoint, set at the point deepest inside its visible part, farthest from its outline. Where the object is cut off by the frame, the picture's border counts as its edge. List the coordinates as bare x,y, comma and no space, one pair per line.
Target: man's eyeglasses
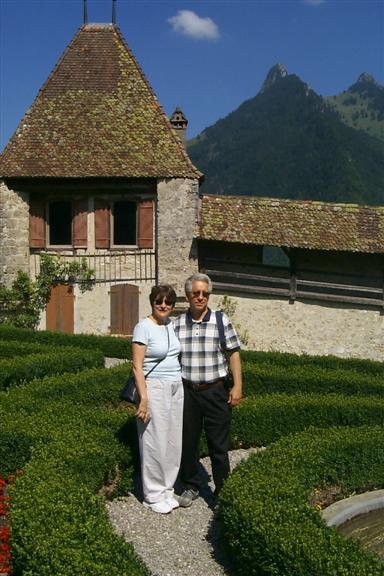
200,293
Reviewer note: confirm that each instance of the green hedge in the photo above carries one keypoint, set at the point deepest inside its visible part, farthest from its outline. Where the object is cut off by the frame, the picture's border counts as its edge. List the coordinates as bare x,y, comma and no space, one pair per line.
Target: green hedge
266,379
115,347
259,421
268,524
25,369
11,348
285,359
70,435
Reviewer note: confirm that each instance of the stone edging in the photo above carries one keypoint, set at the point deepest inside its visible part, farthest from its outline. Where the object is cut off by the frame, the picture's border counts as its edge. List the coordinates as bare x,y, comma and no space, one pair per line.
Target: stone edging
344,510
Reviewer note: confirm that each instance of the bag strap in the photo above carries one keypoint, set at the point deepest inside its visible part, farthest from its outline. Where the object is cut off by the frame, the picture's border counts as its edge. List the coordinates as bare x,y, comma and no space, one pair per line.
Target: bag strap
220,327
161,359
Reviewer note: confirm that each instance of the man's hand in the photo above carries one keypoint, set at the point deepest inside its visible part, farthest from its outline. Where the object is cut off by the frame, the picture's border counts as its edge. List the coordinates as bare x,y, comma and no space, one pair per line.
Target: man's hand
235,396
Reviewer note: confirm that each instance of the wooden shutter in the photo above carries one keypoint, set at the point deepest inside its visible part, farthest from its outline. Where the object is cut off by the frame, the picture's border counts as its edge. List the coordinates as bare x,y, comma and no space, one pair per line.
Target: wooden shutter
124,308
102,223
60,309
145,220
79,223
36,223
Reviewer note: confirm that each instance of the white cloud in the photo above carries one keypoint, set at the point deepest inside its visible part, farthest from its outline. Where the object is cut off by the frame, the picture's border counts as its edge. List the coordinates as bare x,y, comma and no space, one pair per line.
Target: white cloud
313,2
190,24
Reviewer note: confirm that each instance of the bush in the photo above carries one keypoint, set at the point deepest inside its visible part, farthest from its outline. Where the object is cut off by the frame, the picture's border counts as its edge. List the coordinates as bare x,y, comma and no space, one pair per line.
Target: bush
71,425
39,365
13,348
268,378
259,421
329,362
109,345
269,525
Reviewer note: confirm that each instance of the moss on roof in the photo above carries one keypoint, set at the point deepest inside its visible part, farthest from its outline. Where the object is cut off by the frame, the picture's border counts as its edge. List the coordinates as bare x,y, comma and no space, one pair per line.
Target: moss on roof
291,223
96,115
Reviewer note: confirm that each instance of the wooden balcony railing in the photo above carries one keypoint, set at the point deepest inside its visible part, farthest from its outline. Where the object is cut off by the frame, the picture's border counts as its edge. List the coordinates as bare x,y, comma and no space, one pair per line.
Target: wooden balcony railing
126,265
302,285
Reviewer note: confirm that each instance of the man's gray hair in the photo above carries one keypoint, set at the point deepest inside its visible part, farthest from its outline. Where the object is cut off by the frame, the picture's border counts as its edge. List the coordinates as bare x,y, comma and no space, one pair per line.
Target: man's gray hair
198,277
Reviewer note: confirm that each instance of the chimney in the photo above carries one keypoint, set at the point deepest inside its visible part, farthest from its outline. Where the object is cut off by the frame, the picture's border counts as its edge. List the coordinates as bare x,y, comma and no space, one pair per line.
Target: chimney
179,124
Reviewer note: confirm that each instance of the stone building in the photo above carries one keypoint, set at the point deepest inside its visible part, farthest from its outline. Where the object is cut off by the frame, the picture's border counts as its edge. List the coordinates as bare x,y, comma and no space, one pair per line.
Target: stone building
303,277
96,170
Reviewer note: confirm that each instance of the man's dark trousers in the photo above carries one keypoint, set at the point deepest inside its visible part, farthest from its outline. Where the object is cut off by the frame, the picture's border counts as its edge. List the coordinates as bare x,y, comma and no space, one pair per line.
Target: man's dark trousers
209,410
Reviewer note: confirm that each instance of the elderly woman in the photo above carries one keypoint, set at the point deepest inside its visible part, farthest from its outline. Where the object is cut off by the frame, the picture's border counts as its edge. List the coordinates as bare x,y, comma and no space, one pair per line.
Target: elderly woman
159,412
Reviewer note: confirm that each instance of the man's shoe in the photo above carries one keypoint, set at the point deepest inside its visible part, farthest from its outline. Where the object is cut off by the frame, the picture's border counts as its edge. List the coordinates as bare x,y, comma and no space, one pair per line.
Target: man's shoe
187,497
160,507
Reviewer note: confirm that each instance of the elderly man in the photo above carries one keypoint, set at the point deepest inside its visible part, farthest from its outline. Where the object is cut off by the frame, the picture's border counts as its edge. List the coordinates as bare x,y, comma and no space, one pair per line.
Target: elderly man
206,338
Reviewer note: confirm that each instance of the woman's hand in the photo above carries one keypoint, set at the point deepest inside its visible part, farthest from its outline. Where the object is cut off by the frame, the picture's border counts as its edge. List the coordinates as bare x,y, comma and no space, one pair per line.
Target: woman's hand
142,411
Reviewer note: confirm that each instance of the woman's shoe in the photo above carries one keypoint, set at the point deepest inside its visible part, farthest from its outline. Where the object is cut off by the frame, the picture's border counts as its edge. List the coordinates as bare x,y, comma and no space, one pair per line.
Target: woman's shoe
171,499
162,507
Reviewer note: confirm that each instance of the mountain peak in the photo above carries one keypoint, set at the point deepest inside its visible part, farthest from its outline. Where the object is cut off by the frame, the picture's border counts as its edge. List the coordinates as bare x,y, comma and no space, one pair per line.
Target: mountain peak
276,73
366,78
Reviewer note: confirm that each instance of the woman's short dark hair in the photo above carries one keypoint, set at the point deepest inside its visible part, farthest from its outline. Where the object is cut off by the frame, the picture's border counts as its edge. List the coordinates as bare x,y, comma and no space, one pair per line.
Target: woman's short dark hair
158,293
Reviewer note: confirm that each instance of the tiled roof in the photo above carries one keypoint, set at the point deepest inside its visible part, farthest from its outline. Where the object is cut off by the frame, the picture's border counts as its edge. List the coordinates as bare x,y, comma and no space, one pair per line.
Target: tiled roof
96,115
292,223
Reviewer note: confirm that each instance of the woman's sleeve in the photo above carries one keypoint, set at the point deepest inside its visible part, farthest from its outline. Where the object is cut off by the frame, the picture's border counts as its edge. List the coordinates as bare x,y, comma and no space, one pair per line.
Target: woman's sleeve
140,334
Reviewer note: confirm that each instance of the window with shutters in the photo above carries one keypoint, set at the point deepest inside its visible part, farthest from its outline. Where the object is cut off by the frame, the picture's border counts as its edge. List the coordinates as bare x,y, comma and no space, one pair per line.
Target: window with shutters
58,223
123,223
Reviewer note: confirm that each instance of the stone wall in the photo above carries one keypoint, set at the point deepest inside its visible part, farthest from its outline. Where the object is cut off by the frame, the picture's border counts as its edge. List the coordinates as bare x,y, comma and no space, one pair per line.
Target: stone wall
14,233
177,210
308,327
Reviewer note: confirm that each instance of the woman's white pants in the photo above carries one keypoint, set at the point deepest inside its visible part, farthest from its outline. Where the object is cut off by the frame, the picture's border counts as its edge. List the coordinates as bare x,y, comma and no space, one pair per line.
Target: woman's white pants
161,438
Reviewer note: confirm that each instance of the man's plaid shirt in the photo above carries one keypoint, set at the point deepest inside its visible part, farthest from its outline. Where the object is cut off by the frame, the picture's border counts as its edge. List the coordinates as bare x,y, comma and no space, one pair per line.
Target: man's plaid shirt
202,360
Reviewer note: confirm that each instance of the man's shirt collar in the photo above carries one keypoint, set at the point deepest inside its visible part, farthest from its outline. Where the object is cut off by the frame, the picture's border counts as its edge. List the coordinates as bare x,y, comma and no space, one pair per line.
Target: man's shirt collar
206,318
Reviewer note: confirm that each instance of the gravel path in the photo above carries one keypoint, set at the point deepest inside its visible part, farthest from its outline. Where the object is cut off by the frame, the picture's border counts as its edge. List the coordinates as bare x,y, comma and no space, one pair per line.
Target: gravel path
183,543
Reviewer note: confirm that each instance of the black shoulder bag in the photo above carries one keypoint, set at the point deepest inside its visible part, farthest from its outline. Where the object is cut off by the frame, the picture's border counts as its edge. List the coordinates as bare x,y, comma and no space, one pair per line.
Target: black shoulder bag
223,346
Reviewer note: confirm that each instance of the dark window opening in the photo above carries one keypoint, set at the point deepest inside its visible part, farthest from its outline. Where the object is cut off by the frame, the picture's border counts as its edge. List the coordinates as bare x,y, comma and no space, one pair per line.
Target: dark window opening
124,223
60,223
275,256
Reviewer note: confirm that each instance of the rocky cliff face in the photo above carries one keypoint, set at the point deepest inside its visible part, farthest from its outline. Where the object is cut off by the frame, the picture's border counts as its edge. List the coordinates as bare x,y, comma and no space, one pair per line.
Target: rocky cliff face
276,73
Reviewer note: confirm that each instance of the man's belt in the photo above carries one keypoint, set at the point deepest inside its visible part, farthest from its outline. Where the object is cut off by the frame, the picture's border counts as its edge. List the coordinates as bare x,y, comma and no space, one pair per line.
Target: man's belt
197,387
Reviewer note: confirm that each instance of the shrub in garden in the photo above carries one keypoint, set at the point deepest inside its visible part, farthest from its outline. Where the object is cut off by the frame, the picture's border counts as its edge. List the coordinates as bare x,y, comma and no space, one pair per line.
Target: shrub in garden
59,523
109,345
261,420
287,360
12,348
269,525
266,378
16,370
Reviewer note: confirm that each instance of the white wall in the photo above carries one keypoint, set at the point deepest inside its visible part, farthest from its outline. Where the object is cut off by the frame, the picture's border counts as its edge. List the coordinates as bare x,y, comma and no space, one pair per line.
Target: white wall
309,327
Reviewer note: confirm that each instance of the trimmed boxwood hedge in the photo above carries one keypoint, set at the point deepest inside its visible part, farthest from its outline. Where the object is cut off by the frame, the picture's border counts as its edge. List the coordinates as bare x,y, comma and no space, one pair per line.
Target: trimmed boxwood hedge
24,369
72,431
259,421
267,378
11,348
268,524
115,347
286,359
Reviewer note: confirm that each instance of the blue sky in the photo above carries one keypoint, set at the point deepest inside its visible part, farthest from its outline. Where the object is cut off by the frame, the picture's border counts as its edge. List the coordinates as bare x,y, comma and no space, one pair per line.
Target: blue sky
206,56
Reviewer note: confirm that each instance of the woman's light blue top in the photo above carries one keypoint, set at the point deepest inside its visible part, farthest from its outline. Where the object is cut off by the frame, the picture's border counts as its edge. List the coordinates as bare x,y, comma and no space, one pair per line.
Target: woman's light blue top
155,338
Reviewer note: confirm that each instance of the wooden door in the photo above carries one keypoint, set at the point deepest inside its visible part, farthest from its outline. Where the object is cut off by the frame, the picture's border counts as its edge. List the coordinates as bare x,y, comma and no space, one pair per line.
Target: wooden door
124,308
60,309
